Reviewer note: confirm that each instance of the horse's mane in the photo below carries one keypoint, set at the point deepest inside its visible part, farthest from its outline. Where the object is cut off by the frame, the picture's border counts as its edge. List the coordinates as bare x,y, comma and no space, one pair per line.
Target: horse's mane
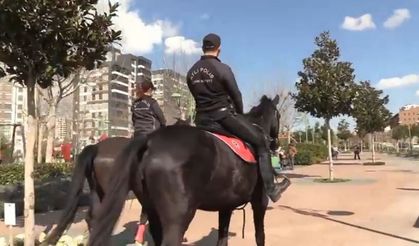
260,109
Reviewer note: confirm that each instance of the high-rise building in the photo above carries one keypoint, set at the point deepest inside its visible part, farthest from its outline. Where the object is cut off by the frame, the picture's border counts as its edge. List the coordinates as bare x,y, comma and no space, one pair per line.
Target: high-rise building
103,101
172,94
62,128
12,107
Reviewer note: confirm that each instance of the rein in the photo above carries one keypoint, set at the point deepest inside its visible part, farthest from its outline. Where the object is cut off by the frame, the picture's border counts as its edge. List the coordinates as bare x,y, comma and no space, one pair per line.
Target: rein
242,208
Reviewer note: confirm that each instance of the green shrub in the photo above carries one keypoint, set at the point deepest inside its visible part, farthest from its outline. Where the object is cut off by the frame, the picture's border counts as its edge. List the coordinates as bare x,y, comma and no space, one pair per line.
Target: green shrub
310,153
303,158
14,173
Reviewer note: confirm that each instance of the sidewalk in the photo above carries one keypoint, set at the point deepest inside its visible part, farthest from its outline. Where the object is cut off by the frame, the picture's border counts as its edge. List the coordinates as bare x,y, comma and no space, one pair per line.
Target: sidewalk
379,206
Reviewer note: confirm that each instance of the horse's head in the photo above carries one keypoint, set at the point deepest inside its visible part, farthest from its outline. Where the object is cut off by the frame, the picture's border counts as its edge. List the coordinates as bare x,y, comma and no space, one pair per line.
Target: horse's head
267,116
180,121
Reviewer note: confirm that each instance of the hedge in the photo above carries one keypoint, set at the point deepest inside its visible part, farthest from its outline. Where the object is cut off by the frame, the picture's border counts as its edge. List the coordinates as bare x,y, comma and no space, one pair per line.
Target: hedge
14,173
308,154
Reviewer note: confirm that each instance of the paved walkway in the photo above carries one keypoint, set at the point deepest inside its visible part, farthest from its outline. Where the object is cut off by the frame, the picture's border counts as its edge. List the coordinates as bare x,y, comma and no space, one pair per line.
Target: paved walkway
380,206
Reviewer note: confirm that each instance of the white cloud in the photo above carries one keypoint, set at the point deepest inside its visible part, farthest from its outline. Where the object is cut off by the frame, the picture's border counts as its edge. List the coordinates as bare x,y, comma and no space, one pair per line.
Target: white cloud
205,16
180,44
361,23
399,16
398,81
417,93
137,35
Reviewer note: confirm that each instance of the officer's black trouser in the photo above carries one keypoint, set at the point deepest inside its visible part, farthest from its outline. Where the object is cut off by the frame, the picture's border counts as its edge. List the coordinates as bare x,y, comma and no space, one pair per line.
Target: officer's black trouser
244,130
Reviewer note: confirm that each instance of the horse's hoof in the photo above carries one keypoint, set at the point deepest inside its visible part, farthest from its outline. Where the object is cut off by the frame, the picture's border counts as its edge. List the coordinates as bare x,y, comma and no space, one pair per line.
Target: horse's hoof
141,244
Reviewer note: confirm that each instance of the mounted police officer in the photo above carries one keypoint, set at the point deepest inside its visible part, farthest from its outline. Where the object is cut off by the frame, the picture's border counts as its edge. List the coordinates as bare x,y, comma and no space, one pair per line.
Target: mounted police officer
219,100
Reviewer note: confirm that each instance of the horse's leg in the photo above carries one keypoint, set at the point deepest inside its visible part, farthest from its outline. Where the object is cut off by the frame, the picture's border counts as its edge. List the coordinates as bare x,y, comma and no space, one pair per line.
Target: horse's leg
259,204
175,223
93,208
155,227
224,217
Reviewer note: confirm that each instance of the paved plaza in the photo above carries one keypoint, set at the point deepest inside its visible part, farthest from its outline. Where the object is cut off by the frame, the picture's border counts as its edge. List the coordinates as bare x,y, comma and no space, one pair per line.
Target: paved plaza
379,206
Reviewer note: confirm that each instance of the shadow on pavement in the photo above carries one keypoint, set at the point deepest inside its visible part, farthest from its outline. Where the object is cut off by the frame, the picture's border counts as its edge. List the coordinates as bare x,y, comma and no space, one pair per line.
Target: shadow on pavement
126,237
409,189
299,176
315,213
210,239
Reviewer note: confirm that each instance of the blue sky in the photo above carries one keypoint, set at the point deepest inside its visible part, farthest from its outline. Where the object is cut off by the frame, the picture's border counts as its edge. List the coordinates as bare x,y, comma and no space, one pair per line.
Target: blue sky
265,41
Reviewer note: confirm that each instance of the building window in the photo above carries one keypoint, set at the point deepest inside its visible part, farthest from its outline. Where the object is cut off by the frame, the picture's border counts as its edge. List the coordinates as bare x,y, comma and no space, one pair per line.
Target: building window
93,115
85,89
85,98
100,87
100,96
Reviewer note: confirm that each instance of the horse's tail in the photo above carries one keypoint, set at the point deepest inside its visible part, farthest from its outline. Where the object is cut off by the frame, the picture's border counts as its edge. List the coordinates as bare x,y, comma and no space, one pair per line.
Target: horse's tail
83,164
114,200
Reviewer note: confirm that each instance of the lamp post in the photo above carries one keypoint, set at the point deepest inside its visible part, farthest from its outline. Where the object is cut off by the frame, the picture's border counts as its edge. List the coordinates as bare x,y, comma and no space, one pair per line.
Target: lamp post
177,96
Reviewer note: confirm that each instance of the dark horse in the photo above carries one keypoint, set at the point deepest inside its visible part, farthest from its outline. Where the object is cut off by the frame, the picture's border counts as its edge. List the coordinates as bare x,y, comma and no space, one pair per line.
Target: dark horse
95,164
180,169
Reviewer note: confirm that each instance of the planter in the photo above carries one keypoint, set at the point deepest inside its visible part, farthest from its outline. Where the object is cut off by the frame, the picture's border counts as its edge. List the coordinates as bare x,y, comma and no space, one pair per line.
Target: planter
50,195
377,163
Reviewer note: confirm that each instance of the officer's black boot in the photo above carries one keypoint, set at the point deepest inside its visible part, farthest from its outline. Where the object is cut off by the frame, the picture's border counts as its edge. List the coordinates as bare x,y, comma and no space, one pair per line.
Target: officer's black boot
273,190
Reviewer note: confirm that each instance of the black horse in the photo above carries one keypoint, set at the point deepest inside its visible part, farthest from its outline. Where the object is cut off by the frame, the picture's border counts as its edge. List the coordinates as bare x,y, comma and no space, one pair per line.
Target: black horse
95,164
180,169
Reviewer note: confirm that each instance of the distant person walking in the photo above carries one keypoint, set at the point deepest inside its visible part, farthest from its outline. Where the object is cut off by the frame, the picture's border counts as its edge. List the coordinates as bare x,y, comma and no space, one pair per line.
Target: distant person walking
292,152
357,150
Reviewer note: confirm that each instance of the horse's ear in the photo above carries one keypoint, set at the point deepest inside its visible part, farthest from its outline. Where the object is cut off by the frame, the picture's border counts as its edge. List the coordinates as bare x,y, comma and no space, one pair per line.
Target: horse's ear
276,100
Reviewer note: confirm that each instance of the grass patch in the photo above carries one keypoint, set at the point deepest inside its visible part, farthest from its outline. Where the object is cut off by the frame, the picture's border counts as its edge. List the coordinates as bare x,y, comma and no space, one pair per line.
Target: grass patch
335,180
377,163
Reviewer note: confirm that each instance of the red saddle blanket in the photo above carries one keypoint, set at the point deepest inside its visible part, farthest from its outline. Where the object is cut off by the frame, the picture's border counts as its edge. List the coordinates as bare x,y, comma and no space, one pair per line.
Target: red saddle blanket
238,147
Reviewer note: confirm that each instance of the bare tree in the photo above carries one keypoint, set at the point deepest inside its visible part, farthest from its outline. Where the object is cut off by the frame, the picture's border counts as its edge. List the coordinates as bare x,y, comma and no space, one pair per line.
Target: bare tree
53,96
286,107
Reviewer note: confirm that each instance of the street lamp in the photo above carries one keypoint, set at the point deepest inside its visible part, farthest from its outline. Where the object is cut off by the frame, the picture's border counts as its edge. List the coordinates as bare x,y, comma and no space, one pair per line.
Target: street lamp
177,96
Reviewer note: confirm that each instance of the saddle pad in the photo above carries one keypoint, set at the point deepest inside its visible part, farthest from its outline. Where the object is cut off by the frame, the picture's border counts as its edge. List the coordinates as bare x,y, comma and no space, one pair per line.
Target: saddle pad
238,147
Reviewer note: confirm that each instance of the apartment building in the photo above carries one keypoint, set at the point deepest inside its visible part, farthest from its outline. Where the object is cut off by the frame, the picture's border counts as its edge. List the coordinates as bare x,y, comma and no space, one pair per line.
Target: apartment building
172,94
62,128
102,103
12,111
409,115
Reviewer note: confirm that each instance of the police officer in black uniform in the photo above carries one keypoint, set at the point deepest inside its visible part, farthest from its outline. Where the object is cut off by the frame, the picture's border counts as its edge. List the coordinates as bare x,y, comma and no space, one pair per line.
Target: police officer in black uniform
147,115
218,99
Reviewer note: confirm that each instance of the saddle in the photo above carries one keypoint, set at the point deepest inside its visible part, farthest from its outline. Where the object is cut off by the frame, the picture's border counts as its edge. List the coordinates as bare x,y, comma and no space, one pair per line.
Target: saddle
242,149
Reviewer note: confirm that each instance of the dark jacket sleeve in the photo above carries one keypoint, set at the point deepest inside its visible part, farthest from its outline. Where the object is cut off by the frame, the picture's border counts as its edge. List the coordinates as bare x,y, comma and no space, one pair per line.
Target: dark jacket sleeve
133,113
158,112
233,89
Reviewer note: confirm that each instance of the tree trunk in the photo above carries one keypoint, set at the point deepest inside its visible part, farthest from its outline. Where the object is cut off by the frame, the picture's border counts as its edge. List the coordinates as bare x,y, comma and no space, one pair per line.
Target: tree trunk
312,134
397,146
51,133
373,147
362,145
13,143
329,144
40,138
29,201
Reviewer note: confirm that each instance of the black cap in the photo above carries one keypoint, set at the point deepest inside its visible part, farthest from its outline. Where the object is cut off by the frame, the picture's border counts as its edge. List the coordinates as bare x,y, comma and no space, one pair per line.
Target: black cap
146,85
211,42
